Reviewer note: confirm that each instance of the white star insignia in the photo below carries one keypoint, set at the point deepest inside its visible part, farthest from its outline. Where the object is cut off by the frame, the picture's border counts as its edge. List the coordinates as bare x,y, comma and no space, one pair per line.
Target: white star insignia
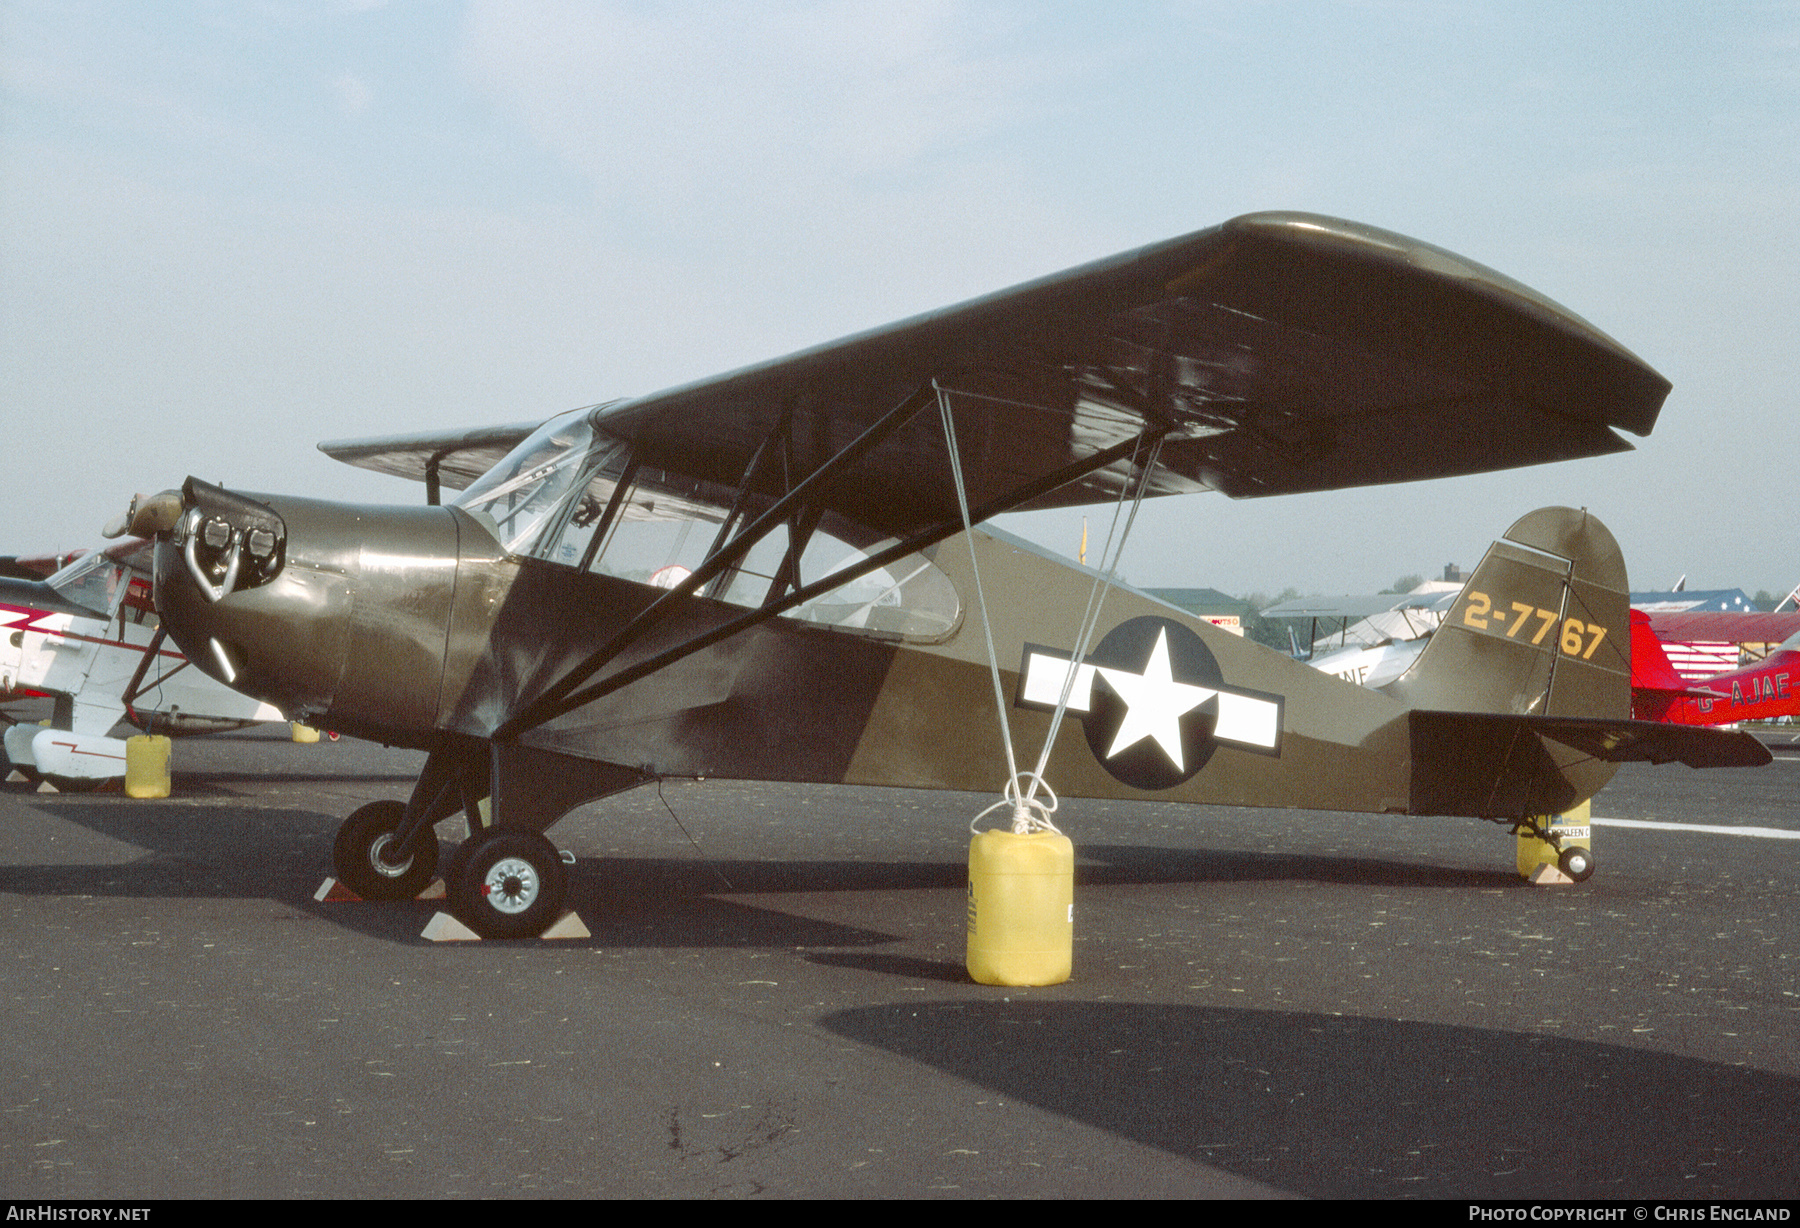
1154,704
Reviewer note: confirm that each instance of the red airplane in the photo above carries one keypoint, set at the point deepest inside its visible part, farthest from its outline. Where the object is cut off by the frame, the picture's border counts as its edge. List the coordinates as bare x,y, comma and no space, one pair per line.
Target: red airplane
1759,692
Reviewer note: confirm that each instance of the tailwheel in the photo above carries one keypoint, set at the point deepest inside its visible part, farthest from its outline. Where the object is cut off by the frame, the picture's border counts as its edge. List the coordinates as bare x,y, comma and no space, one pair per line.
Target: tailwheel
509,883
361,855
1577,863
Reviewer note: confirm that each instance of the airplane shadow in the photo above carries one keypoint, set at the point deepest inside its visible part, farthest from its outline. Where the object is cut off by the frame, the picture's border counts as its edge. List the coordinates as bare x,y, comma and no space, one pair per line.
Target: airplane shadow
1335,1107
283,854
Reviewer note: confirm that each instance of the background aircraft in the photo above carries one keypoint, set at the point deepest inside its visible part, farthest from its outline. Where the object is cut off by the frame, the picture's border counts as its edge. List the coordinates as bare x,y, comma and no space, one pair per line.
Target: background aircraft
87,635
1766,690
1668,682
841,620
1377,638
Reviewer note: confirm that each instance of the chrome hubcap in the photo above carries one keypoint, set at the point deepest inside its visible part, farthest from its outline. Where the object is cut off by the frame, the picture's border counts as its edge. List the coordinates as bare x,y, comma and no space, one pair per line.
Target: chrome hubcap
383,866
511,885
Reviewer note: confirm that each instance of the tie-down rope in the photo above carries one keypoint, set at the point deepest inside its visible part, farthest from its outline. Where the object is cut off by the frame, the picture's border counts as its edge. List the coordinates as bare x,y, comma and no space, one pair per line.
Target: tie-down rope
1020,794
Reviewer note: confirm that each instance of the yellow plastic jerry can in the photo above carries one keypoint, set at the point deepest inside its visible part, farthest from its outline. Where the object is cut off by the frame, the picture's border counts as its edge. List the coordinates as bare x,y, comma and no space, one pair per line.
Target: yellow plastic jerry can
1021,908
147,765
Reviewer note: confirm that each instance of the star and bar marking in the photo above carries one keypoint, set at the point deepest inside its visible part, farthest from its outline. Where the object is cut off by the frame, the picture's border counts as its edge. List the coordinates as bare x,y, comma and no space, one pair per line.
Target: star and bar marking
1158,690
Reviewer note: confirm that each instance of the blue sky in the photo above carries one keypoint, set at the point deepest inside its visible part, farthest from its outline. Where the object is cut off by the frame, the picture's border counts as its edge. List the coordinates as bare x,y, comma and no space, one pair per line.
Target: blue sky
228,231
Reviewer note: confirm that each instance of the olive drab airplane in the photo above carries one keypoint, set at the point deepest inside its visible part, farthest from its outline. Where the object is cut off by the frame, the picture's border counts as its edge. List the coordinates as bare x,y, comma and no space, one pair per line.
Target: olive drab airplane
774,574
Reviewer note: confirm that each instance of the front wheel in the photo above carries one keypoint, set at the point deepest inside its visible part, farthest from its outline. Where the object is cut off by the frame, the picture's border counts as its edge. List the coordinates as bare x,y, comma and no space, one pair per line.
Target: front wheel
508,884
361,855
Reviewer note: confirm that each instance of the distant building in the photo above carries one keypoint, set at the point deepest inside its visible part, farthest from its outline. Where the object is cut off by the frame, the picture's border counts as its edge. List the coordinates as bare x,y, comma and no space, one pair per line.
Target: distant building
1219,609
1693,601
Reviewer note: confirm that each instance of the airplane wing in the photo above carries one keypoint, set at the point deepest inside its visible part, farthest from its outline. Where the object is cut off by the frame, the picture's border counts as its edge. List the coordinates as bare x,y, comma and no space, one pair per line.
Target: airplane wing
1277,353
457,457
1724,628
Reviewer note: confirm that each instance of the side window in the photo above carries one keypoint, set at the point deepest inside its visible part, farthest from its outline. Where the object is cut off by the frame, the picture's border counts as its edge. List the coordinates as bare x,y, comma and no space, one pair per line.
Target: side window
909,598
666,528
570,495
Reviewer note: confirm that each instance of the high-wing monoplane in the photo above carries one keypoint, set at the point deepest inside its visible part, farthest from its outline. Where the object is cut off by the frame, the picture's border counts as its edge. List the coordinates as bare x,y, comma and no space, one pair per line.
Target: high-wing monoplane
776,573
88,636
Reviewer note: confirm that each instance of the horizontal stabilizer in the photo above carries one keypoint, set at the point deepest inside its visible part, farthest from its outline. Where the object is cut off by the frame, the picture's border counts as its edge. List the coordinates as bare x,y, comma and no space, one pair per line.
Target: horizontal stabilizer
1460,740
1499,764
1655,742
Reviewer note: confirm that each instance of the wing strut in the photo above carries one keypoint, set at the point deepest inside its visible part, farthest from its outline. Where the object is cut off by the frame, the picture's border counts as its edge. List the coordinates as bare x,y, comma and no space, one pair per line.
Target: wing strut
137,687
564,696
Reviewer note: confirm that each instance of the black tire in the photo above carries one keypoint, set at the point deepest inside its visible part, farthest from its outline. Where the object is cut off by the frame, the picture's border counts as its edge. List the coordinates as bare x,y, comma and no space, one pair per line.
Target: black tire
509,884
357,854
450,865
1577,863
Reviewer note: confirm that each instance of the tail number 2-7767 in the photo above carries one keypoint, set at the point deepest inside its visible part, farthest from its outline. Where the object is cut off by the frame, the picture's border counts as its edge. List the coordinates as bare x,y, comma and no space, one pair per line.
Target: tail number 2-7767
1484,613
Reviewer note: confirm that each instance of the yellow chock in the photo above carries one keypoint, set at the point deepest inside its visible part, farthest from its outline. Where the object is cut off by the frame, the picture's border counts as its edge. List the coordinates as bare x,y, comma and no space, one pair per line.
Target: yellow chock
303,733
1574,863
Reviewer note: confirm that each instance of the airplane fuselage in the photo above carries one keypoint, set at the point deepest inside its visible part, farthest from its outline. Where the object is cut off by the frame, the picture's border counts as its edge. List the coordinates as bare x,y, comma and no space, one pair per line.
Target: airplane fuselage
1768,690
415,627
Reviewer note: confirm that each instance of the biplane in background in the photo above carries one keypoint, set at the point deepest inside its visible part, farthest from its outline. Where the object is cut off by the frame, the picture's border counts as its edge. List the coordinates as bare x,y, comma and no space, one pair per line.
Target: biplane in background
87,635
1706,632
1377,638
775,574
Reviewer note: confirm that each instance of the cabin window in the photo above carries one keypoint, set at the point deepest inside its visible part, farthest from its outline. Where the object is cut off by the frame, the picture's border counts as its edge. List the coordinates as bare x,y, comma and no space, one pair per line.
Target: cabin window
535,490
556,497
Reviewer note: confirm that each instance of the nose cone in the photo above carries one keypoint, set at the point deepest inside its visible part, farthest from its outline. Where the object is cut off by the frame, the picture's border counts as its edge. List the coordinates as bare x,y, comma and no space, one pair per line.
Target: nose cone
333,612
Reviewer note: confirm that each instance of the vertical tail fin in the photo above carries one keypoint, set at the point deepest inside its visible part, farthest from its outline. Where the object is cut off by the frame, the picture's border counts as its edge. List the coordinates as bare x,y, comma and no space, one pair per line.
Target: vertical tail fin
1542,628
1651,668
1521,701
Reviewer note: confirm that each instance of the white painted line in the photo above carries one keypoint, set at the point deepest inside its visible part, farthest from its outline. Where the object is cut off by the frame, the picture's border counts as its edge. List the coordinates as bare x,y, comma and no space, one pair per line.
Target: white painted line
1767,833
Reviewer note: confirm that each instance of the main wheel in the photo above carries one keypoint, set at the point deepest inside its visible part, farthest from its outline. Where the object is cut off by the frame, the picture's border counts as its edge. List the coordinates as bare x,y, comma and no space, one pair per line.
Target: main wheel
1577,863
509,883
360,855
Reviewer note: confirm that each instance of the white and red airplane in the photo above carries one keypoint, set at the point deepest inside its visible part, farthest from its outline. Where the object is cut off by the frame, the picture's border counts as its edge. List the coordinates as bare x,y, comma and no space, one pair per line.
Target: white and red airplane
88,636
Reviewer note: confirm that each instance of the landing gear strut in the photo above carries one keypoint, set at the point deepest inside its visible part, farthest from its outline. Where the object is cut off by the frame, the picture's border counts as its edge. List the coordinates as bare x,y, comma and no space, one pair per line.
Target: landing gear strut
506,880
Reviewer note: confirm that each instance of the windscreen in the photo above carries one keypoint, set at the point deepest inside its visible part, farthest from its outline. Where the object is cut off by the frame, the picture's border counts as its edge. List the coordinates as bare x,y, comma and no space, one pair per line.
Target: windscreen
93,582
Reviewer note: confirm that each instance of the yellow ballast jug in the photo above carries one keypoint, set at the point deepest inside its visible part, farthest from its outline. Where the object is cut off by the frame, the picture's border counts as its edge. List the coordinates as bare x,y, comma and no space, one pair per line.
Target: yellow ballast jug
147,765
1021,908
